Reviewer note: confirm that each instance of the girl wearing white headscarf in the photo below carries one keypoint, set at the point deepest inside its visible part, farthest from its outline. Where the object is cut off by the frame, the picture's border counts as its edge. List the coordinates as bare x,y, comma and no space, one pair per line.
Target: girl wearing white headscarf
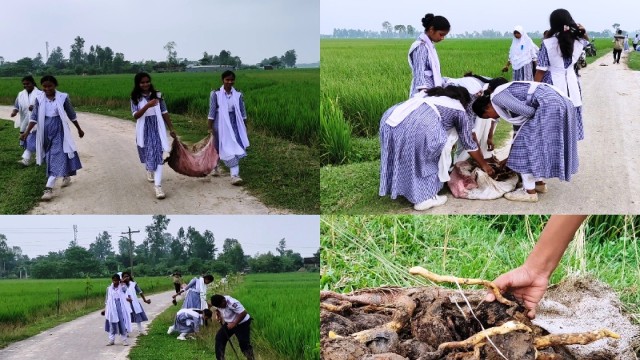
24,105
523,55
423,57
117,320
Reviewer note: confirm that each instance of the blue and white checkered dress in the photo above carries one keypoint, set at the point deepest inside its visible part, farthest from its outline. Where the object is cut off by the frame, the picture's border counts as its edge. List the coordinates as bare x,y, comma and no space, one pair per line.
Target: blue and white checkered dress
420,63
543,61
151,153
58,163
525,73
546,145
410,151
120,326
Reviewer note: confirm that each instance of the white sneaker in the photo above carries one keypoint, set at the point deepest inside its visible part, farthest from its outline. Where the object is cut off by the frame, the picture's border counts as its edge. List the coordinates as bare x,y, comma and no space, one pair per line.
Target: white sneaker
181,337
215,172
159,192
66,181
125,343
47,195
150,176
170,330
24,162
521,195
110,343
236,180
433,202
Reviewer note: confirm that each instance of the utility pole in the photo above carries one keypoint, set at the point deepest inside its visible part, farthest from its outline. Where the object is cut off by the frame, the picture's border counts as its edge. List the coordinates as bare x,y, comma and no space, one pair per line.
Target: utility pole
47,44
130,247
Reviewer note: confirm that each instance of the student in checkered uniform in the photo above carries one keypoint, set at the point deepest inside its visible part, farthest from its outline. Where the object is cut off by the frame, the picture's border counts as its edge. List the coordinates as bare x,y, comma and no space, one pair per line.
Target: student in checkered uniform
52,112
235,321
414,138
545,146
152,121
559,52
423,57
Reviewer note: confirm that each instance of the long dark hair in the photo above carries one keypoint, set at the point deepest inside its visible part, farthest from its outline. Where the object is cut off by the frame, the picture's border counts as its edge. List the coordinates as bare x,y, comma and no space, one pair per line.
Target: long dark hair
558,20
493,83
437,22
136,93
459,93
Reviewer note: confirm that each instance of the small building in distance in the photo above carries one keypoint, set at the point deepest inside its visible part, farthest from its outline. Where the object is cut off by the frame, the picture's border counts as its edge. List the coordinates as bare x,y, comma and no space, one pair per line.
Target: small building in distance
209,68
267,67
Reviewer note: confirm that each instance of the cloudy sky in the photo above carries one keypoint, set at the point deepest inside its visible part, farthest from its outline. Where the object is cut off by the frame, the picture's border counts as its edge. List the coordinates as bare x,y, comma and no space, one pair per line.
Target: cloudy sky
39,234
250,29
467,15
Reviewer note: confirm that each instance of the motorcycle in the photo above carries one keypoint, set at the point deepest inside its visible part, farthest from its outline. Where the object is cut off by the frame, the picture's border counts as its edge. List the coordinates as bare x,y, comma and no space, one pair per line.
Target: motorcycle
582,61
590,49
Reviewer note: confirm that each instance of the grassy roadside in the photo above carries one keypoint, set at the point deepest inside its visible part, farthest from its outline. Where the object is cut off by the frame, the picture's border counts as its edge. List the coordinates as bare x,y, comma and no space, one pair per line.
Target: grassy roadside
353,188
370,251
262,294
282,174
634,60
69,310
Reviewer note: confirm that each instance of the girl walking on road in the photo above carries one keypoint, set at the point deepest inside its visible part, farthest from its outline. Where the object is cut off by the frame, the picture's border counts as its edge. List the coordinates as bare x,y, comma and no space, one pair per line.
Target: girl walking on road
423,57
24,105
152,121
117,319
558,54
227,117
137,312
52,112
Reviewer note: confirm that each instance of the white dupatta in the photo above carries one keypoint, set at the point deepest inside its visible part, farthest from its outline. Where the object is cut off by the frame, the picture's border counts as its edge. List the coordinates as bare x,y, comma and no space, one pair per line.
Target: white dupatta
162,129
111,311
423,39
229,147
25,100
131,292
402,111
68,144
564,79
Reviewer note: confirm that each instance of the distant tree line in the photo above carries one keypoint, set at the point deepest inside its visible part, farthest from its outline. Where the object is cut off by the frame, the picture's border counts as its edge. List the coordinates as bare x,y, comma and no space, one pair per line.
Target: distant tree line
159,254
104,60
390,31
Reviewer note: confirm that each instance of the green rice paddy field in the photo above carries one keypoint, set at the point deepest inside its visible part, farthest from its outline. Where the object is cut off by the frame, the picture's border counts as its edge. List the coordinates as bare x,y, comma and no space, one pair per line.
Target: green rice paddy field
360,79
29,306
283,102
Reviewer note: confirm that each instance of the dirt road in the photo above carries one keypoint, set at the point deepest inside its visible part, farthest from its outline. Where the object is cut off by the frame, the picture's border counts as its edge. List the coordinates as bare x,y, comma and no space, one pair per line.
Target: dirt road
83,338
608,180
113,181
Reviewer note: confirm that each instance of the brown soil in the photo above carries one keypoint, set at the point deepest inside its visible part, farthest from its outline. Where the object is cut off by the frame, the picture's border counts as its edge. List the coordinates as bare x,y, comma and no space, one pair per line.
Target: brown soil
411,323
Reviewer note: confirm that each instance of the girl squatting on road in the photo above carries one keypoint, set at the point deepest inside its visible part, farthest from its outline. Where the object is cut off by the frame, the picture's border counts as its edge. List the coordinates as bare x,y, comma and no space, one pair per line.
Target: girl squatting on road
148,108
227,117
52,112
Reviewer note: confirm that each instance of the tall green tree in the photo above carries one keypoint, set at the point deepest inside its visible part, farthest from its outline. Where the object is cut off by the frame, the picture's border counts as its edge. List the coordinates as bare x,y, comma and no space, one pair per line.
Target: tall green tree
102,247
156,238
233,255
290,58
77,55
56,58
172,54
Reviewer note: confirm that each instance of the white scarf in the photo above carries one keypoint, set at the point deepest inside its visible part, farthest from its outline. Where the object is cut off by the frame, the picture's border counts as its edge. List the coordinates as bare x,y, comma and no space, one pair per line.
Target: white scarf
564,79
131,292
523,51
111,311
423,39
229,147
403,110
202,289
68,144
24,101
162,129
